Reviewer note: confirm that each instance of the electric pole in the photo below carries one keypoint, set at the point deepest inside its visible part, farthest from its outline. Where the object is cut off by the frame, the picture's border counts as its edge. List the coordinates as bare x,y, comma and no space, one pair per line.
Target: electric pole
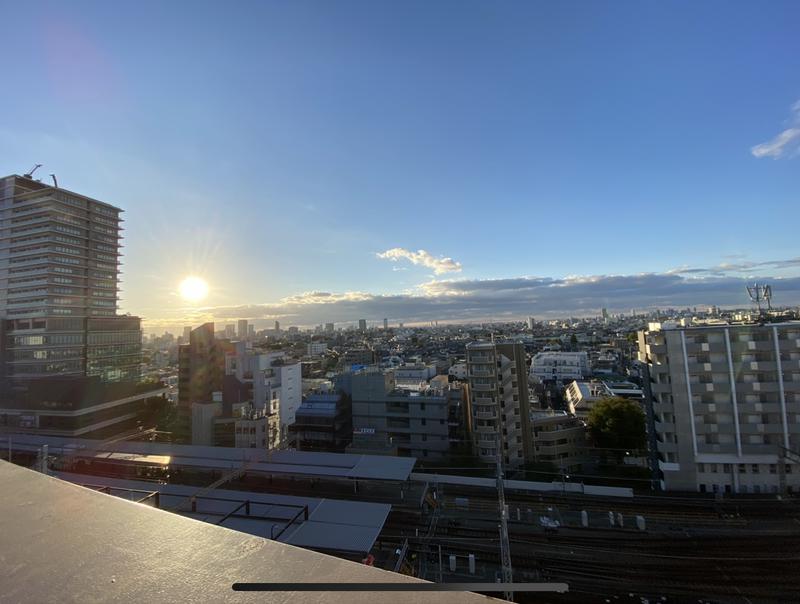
505,546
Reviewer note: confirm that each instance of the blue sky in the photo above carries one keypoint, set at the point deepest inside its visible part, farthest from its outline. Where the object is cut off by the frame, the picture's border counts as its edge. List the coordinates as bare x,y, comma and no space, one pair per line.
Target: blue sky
277,148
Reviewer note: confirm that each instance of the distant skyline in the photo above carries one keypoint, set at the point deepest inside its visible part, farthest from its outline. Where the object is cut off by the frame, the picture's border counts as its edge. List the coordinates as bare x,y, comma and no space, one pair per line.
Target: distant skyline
451,161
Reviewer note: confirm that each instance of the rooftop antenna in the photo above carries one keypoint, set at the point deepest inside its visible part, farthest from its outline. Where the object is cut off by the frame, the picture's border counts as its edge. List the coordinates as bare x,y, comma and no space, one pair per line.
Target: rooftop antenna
30,172
55,180
760,293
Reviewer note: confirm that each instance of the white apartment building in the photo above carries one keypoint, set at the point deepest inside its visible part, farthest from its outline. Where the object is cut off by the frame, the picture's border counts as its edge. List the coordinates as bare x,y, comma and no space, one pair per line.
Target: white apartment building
559,366
727,400
415,372
276,379
581,397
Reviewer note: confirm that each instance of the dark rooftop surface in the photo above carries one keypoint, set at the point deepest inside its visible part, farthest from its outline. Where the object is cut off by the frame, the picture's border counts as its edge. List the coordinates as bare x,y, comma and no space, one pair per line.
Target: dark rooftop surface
63,543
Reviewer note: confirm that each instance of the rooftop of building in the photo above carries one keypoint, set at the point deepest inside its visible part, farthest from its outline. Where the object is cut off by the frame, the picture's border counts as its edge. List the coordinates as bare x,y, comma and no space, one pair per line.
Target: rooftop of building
38,185
731,324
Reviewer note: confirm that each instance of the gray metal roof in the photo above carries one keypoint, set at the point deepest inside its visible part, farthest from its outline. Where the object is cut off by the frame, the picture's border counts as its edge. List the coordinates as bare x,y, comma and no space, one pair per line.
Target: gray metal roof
63,543
364,520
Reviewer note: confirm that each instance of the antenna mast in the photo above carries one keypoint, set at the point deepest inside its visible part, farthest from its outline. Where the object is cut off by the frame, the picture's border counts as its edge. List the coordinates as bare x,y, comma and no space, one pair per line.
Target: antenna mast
760,293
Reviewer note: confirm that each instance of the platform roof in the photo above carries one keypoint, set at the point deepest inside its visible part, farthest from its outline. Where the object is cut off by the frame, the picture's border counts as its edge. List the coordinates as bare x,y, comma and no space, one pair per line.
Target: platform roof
334,524
64,543
341,465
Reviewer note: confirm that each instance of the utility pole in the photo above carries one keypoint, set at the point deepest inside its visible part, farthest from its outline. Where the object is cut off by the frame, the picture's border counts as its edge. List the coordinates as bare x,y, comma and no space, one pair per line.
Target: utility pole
505,546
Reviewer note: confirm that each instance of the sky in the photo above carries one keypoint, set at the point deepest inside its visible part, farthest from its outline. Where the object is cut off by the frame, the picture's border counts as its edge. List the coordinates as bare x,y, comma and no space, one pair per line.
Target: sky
447,160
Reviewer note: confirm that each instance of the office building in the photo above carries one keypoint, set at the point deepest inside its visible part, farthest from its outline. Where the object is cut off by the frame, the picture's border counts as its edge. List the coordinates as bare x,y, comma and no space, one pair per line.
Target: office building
201,369
323,423
329,328
362,325
726,400
230,331
358,356
559,366
398,420
186,331
500,406
69,364
314,349
242,329
277,326
385,324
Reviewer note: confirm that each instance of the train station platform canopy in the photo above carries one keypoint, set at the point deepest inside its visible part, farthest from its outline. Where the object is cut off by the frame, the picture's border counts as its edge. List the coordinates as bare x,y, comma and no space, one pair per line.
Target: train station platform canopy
65,543
332,525
297,463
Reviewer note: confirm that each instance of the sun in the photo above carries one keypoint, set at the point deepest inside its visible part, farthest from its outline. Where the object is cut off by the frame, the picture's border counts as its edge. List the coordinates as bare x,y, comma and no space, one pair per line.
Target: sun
193,289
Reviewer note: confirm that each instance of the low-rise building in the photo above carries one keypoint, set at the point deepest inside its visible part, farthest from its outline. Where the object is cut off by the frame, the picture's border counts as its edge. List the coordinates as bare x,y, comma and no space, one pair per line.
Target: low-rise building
559,439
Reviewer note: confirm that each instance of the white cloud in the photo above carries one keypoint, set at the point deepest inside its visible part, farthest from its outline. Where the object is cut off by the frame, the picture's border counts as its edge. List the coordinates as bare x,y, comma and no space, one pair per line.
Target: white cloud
421,257
787,141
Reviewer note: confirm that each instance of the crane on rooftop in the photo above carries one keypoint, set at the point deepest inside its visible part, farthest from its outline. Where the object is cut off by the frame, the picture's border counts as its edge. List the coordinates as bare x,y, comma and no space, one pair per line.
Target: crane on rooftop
29,173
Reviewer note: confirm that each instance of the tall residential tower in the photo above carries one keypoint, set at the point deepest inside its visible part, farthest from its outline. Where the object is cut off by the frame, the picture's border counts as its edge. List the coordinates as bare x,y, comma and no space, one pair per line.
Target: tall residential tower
69,363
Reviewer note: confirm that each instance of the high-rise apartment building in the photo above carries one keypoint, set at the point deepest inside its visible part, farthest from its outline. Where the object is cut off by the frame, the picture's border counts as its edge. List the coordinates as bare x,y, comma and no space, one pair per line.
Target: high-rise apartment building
70,364
726,400
498,380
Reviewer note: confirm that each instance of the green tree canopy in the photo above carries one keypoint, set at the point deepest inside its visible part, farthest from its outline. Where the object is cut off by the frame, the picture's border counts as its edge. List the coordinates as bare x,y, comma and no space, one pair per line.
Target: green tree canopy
617,423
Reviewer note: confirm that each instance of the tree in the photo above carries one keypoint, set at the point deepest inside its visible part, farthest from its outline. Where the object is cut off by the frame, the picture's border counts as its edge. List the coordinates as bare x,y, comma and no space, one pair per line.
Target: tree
617,423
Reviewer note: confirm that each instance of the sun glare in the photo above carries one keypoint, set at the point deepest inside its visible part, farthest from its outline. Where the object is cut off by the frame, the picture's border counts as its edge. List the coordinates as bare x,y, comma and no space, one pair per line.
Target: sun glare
193,289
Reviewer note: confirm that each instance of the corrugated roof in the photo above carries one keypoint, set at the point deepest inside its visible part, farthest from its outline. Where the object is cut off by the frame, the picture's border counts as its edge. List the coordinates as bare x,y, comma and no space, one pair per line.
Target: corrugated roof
326,515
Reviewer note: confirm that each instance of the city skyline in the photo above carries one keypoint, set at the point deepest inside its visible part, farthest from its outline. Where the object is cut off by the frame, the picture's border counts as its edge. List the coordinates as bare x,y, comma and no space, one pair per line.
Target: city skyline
314,163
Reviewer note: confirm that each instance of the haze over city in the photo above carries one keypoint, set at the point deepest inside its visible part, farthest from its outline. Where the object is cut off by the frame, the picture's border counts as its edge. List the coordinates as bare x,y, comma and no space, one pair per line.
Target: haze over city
309,162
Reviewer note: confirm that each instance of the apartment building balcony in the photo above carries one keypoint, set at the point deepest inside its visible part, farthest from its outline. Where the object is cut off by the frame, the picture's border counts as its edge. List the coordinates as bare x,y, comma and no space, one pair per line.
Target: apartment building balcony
789,344
481,373
479,358
483,387
749,387
662,427
757,365
484,400
739,347
695,347
665,447
487,415
485,429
